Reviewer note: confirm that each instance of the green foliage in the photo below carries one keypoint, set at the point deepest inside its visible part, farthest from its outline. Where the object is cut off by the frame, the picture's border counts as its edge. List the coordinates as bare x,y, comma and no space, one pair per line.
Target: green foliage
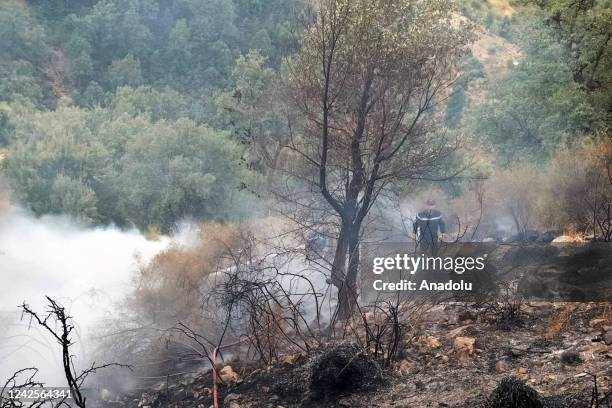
471,69
584,28
22,50
147,75
57,9
154,103
6,127
189,45
102,166
536,105
73,197
55,154
125,71
180,170
256,112
93,95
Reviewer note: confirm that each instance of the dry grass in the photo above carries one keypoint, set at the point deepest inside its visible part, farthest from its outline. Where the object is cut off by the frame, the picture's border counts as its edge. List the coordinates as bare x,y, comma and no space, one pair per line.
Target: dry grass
168,287
560,320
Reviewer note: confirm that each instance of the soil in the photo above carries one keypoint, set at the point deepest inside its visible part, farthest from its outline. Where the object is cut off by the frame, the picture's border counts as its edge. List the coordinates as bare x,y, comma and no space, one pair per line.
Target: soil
553,351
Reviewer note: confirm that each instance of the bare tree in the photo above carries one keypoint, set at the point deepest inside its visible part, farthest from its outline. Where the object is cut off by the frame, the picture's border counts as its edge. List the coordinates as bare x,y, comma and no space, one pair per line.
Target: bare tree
366,81
60,326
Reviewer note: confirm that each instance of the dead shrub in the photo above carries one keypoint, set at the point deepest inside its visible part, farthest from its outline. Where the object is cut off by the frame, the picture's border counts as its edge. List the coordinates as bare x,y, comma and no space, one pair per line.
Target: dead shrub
515,193
275,309
559,322
341,368
168,289
503,307
570,357
579,195
513,393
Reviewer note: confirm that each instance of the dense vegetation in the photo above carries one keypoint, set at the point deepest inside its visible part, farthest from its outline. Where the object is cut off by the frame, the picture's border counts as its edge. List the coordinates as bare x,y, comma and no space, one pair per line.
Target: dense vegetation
146,112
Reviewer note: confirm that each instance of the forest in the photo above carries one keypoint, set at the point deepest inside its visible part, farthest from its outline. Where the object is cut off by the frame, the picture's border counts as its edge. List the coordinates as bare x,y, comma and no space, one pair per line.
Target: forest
267,146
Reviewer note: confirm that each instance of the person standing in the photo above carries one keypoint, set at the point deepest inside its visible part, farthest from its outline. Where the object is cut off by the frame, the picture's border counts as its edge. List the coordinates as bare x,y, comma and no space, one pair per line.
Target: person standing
426,226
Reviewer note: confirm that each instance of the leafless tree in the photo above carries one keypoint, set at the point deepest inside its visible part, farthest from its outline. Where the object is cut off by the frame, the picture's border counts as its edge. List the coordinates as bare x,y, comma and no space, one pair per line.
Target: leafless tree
59,324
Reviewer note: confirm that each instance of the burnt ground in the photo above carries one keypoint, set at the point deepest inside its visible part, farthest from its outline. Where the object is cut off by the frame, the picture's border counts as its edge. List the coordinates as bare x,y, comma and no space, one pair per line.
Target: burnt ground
549,358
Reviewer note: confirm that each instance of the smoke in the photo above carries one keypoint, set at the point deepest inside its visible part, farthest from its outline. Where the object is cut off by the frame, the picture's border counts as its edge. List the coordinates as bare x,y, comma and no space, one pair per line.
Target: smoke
84,269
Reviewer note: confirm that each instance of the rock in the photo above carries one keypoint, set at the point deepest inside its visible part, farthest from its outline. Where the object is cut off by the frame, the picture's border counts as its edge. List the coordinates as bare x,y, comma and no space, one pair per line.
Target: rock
607,338
429,343
522,373
404,366
464,347
518,350
581,375
598,323
501,367
233,405
228,375
231,397
345,402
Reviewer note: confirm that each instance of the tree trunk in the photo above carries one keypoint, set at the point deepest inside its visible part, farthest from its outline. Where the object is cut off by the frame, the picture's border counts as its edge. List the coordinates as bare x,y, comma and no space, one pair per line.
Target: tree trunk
347,288
339,263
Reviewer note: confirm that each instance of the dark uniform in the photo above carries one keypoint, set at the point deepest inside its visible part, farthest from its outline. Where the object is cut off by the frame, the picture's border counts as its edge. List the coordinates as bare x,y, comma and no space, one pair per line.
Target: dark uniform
426,226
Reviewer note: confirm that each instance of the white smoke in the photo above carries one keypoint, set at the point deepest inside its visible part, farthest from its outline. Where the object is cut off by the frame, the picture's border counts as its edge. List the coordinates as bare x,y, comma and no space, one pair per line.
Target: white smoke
85,269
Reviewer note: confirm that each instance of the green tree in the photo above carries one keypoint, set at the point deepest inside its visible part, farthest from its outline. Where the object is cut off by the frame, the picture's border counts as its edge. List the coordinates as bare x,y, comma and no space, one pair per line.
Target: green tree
366,80
584,28
535,105
153,103
73,197
126,71
256,109
23,50
180,170
55,154
104,166
457,101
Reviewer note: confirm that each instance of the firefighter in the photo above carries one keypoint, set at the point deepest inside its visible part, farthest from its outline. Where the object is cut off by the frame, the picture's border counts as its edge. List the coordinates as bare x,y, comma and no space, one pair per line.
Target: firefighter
426,227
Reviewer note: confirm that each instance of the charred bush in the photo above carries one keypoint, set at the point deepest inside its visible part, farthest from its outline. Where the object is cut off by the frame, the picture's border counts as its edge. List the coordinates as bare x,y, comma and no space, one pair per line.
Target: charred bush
505,309
342,368
292,384
513,393
571,357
